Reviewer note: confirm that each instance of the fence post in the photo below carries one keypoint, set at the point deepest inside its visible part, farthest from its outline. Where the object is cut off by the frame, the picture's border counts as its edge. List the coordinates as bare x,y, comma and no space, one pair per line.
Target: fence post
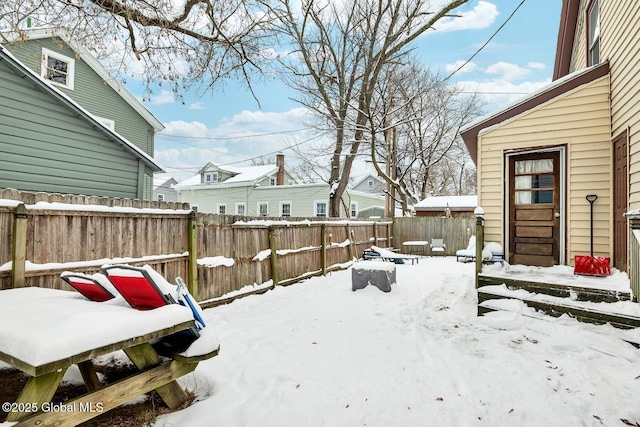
375,233
19,255
274,257
323,243
479,214
192,260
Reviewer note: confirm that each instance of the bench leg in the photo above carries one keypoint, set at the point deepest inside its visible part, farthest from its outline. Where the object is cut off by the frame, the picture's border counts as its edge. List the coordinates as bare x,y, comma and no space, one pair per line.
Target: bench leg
37,391
111,396
144,356
89,375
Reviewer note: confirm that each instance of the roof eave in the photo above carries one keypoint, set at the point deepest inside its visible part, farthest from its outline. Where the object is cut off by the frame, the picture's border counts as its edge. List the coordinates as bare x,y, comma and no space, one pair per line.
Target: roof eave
566,35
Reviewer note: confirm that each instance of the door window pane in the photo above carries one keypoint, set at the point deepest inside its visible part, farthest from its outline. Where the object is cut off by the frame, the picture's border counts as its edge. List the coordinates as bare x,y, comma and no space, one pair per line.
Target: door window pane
534,181
534,197
534,166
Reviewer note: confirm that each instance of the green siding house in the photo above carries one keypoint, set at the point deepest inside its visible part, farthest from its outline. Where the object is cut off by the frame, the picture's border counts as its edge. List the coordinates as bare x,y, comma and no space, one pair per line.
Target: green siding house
74,71
268,191
49,143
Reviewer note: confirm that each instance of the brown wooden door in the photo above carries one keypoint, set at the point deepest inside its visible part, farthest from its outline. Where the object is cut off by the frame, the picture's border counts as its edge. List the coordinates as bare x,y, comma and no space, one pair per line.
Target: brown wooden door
620,200
534,209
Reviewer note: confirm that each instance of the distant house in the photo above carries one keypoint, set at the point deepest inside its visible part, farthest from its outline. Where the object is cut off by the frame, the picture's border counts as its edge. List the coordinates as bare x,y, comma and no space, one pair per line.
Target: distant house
72,70
49,143
164,188
450,206
371,184
267,190
540,157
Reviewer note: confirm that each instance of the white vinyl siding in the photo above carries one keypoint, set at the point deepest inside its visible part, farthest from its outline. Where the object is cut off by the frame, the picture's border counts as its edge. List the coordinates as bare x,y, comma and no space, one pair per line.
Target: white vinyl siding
301,197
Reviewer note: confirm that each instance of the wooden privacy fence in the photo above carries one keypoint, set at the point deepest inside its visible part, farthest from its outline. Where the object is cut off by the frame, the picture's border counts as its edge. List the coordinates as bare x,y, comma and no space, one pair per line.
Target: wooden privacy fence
454,231
238,251
42,236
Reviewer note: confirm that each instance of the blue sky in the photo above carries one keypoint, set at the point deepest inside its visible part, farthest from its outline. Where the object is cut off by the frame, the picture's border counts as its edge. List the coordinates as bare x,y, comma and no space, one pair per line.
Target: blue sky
228,126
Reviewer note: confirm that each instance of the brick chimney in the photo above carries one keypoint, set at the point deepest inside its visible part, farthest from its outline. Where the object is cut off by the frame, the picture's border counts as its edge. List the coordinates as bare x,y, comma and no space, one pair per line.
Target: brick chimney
280,173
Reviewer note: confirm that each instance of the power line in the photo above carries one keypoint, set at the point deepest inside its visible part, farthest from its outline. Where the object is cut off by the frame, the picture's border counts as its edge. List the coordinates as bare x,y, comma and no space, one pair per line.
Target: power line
221,138
487,42
247,159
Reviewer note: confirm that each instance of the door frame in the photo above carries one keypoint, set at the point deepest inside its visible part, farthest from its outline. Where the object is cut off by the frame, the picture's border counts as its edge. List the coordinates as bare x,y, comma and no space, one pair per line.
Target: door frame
561,150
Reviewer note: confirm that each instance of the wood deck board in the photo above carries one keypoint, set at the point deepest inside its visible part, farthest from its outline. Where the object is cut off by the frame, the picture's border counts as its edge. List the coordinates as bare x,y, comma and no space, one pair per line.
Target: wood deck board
556,289
558,309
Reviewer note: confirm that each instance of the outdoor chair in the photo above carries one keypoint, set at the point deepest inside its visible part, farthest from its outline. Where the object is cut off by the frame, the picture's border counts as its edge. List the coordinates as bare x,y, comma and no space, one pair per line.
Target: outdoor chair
438,246
137,287
145,289
88,286
468,254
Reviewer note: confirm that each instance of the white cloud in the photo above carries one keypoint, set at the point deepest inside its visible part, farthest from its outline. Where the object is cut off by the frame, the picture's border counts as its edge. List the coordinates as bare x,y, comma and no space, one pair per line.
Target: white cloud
480,17
197,106
165,97
537,65
498,94
234,140
467,68
507,71
188,129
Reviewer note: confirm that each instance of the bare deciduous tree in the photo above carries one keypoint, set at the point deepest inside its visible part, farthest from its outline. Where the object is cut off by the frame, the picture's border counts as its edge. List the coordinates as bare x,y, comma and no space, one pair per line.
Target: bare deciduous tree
415,133
196,43
341,51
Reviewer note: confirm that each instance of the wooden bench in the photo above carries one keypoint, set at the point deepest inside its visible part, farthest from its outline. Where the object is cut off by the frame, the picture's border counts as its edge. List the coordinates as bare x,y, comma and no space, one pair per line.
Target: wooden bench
50,330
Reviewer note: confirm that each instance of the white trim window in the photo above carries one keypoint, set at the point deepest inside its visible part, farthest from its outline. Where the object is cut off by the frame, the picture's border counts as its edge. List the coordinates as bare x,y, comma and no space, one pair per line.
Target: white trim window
285,208
241,209
161,197
593,19
263,208
320,208
58,69
211,177
272,181
222,208
354,210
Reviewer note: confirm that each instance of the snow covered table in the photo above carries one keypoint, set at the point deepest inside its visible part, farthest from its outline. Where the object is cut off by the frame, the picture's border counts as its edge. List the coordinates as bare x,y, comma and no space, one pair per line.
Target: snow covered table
47,330
418,247
377,273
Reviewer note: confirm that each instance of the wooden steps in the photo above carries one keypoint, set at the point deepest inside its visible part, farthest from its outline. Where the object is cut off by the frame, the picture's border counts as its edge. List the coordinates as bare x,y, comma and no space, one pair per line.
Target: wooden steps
554,300
577,293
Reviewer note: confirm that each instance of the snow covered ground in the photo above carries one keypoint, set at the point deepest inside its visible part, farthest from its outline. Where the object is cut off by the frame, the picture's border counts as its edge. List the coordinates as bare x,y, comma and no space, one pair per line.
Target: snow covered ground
319,354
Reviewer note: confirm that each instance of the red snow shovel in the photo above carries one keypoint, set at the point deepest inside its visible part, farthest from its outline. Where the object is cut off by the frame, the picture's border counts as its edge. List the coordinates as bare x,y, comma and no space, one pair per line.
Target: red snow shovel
590,265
